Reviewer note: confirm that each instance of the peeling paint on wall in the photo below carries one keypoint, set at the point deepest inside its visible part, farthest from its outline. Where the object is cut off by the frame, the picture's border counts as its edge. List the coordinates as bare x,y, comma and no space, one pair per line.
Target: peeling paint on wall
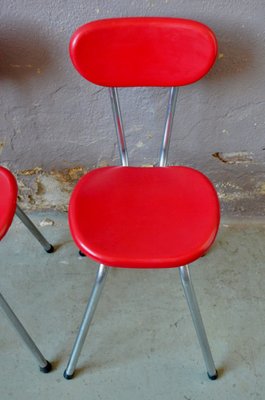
43,190
261,189
234,157
40,190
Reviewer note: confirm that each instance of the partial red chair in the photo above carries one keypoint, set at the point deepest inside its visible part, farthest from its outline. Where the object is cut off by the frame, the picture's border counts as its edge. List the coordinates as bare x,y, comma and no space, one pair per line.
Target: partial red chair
8,208
136,217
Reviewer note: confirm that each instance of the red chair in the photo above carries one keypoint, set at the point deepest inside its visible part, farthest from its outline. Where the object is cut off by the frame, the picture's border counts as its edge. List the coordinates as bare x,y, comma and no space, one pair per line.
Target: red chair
136,217
8,208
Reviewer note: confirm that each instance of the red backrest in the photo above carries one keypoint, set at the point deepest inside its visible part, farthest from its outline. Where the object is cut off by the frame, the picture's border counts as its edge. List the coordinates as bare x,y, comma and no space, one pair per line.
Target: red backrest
8,200
143,51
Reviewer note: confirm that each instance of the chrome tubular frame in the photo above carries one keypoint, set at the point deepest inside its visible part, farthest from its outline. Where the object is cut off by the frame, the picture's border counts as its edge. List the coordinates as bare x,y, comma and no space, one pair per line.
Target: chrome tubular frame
197,320
102,271
45,366
168,126
32,228
119,125
88,315
120,130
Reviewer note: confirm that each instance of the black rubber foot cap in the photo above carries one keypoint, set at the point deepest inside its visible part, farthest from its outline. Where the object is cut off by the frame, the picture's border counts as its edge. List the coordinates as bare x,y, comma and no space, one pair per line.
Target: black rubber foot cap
46,369
81,254
50,249
213,377
66,376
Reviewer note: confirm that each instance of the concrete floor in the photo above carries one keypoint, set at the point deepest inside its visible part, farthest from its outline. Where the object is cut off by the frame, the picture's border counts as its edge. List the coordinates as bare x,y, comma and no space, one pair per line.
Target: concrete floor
142,343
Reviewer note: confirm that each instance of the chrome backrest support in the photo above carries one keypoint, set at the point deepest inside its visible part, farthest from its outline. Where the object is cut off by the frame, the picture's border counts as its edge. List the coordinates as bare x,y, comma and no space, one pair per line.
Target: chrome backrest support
168,126
120,131
119,125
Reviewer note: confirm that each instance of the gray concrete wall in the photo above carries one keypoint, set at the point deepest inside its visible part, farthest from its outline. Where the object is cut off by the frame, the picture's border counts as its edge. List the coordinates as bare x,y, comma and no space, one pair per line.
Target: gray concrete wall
55,125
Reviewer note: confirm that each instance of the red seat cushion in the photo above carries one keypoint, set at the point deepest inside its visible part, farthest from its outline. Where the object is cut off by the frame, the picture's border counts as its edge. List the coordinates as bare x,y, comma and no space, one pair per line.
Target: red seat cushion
144,217
8,200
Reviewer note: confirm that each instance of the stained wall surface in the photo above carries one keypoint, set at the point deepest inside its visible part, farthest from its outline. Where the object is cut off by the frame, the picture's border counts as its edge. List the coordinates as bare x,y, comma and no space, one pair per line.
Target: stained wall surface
54,125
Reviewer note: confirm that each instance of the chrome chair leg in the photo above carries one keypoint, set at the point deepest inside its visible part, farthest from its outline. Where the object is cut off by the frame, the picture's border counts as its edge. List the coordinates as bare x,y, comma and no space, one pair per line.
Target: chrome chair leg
91,307
197,321
32,228
45,366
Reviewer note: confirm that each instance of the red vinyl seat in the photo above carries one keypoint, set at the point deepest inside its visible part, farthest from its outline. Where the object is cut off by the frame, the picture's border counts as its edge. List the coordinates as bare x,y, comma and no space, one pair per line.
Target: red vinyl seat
143,217
8,200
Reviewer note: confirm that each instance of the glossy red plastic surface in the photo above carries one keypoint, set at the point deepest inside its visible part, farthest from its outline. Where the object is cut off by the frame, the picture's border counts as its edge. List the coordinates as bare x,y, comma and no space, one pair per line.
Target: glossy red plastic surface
143,51
8,200
144,217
